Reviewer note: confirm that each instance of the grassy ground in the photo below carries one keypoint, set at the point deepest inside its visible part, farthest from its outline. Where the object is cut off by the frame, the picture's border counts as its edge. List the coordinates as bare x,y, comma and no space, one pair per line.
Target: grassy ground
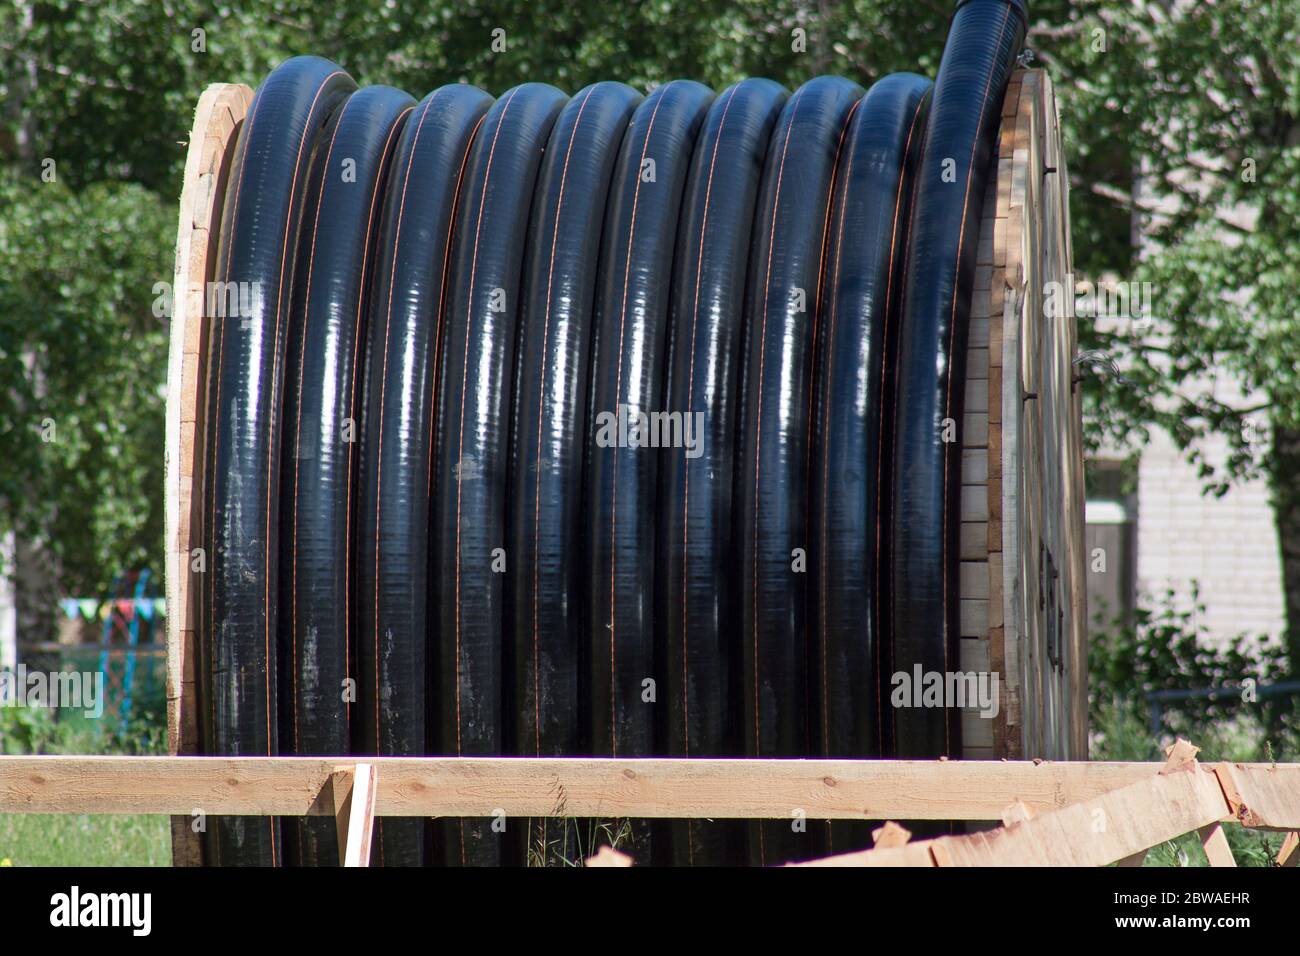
86,840
99,840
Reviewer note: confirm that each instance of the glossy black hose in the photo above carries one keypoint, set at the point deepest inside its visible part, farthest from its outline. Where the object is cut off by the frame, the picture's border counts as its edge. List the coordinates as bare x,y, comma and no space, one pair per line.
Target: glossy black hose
698,590
623,450
627,381
277,146
962,126
849,533
395,604
469,557
774,447
545,633
321,408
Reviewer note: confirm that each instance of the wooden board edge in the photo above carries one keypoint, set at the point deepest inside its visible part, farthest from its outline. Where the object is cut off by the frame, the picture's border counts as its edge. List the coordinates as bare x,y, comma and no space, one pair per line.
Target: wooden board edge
217,117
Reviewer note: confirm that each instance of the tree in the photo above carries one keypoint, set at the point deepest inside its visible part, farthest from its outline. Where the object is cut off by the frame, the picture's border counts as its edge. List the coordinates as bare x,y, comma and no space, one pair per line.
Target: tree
1206,98
1195,94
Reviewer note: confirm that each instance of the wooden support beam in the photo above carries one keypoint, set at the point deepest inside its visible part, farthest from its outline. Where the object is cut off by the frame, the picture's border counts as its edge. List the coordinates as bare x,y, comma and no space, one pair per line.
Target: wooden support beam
352,793
890,835
1215,842
608,856
1016,813
1096,832
1119,826
1262,796
592,787
1289,855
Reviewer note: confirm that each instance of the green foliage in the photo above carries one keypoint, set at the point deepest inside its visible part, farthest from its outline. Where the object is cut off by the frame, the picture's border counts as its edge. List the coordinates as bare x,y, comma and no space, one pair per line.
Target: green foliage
1166,647
1211,104
107,90
36,730
83,361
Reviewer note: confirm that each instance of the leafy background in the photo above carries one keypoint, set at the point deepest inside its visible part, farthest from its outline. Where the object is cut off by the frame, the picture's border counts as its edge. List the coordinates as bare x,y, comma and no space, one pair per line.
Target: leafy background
1184,92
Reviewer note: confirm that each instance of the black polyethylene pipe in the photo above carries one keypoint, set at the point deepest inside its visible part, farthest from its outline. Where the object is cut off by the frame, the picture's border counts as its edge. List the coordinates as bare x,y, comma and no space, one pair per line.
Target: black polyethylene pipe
787,265
626,380
321,407
627,386
472,445
406,317
962,126
854,409
651,399
546,577
698,588
278,143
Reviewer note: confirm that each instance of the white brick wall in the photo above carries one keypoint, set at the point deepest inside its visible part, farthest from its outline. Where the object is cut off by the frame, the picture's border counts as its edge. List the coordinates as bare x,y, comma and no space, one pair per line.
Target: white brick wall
1228,545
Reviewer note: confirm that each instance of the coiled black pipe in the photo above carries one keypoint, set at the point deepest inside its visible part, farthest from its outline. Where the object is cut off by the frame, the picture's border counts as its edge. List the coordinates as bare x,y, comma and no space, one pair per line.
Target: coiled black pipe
774,447
698,592
849,533
520,561
961,129
545,633
412,276
322,403
627,381
260,223
471,446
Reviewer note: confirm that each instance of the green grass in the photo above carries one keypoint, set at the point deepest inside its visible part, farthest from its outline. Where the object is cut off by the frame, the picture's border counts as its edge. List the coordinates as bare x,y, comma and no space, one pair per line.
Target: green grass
85,839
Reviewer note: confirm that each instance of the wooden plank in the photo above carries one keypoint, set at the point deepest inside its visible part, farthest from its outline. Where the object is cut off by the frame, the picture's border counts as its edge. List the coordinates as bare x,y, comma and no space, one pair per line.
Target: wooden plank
974,537
976,730
890,835
1099,831
973,580
1265,797
1215,843
974,618
1289,855
974,503
974,466
607,856
997,614
352,792
1117,826
217,118
591,787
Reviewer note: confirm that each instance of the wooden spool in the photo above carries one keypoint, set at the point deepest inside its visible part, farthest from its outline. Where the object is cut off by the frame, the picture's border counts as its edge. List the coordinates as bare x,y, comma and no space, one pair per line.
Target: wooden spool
1022,563
1022,588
